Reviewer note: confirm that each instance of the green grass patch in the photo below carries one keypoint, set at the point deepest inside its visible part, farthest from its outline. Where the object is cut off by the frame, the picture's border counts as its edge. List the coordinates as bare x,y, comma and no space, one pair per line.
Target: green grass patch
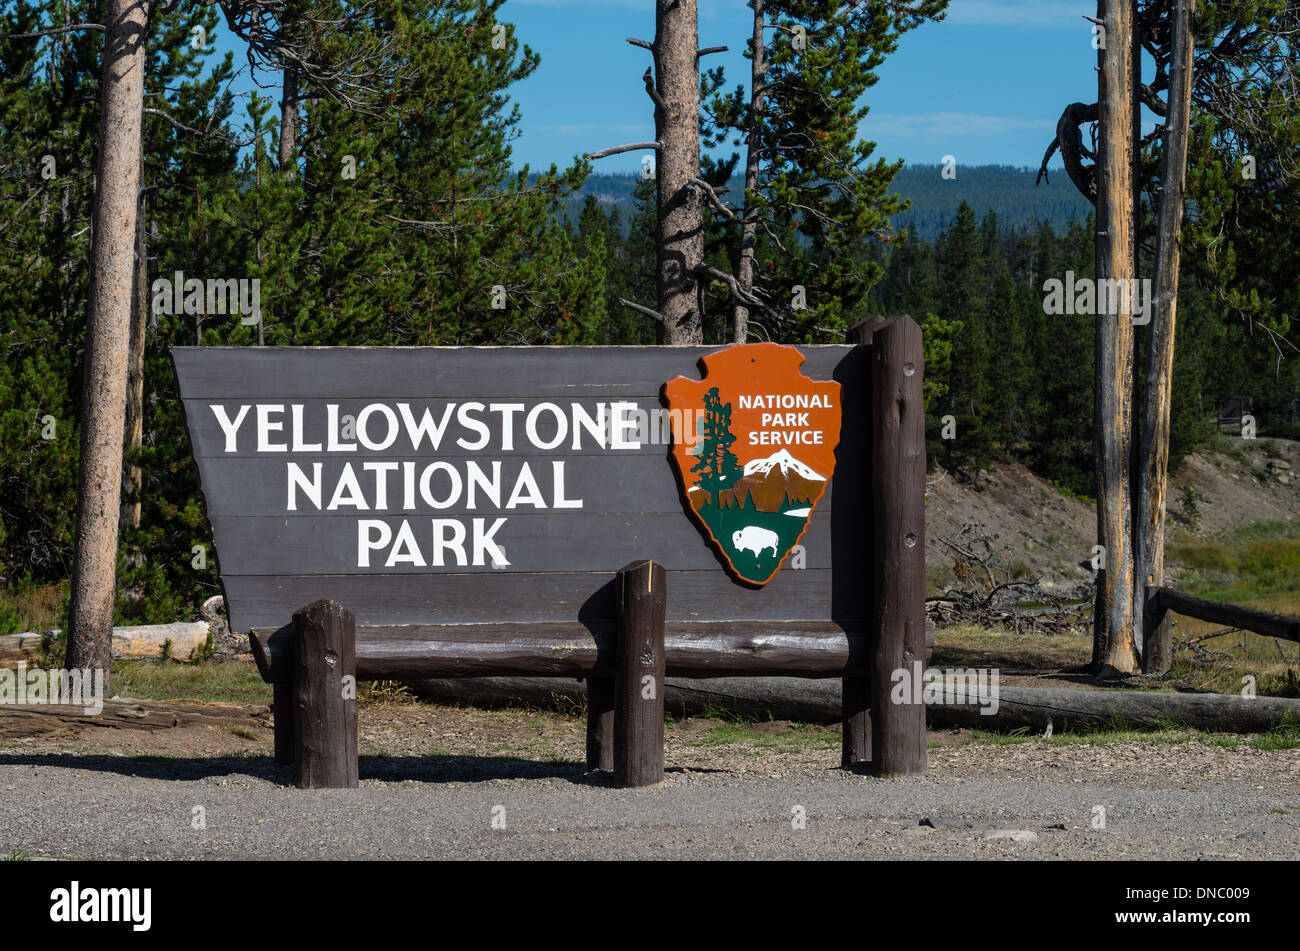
1284,736
232,681
800,736
1260,561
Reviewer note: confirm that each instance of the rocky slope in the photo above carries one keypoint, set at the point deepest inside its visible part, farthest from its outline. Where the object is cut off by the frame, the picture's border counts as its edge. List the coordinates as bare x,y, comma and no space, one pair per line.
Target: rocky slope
1042,534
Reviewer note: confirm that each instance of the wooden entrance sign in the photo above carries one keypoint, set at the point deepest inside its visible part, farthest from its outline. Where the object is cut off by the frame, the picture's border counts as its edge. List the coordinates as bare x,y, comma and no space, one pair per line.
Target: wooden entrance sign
469,508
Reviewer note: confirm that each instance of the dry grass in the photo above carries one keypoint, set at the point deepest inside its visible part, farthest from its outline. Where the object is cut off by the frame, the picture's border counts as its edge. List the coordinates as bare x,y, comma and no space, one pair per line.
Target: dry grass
966,645
35,608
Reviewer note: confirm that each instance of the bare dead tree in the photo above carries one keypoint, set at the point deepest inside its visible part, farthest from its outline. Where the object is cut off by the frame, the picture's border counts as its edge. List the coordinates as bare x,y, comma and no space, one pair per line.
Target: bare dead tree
680,244
289,122
1153,458
749,219
1222,78
673,85
1115,646
133,479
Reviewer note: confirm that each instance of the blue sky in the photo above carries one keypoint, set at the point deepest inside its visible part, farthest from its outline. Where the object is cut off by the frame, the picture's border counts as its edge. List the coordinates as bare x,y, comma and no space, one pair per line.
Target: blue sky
985,85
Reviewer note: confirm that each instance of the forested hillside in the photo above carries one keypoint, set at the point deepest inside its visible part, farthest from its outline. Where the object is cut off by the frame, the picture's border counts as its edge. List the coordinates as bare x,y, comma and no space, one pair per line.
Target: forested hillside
933,198
1016,380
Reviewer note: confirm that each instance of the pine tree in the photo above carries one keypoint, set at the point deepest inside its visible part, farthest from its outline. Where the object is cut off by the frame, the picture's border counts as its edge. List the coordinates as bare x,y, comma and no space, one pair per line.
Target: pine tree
964,296
812,181
50,116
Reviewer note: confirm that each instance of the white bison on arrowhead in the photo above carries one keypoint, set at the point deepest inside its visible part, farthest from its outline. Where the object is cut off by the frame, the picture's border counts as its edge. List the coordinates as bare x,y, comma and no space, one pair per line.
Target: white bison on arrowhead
755,539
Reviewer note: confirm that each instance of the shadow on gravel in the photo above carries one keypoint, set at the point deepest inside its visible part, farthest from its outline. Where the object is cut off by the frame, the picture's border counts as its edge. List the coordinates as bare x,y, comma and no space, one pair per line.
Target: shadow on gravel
424,769
476,769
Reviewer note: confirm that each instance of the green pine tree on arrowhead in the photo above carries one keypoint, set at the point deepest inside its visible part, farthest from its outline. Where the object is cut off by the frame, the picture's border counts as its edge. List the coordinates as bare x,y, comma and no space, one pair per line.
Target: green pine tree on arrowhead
717,464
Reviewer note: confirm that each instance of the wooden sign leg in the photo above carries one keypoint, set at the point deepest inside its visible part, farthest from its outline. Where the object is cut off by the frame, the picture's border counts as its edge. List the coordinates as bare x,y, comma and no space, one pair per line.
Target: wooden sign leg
325,691
898,509
855,746
600,723
282,706
639,676
856,700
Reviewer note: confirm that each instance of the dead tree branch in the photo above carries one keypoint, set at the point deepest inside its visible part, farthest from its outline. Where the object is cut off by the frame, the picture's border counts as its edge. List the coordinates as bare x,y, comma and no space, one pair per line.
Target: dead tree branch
642,310
1069,139
617,149
98,27
713,198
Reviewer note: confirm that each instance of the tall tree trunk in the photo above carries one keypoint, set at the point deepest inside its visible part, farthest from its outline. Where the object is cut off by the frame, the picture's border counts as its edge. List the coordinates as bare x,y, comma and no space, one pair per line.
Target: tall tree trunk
749,224
1138,393
1114,648
134,477
289,123
108,320
1153,459
679,245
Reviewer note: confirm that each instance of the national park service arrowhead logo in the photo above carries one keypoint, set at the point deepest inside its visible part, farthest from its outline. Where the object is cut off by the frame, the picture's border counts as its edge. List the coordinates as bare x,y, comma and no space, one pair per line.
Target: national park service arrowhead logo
758,452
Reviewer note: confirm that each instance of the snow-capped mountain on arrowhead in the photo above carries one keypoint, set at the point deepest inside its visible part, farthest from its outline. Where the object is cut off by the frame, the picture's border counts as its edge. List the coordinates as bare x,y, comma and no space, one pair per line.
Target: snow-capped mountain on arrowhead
786,462
775,482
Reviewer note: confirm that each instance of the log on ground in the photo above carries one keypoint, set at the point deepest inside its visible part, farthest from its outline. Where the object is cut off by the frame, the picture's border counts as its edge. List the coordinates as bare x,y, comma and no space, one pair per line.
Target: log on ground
22,720
818,701
142,640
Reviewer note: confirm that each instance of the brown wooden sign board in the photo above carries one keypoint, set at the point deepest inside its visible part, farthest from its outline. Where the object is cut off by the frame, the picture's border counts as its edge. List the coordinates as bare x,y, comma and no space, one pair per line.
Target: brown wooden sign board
463,485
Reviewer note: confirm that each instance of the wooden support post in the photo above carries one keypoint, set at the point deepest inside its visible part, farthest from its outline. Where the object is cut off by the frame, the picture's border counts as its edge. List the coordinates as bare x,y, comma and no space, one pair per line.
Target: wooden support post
855,696
855,743
286,737
639,676
325,695
898,505
600,723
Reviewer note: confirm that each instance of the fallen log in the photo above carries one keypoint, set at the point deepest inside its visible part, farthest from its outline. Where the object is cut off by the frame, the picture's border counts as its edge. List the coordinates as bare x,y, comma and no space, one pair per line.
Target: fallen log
21,720
16,647
147,640
141,640
818,701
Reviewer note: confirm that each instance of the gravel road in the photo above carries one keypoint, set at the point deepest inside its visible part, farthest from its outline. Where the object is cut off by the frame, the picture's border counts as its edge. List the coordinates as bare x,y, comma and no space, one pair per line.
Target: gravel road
738,800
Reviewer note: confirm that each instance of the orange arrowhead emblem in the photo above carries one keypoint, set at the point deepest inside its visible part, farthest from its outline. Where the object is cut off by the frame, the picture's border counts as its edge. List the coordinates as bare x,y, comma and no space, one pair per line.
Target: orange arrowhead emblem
754,452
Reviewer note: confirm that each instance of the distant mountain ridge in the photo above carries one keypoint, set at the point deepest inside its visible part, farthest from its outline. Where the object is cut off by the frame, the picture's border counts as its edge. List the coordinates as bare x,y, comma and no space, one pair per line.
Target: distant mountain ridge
1007,190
